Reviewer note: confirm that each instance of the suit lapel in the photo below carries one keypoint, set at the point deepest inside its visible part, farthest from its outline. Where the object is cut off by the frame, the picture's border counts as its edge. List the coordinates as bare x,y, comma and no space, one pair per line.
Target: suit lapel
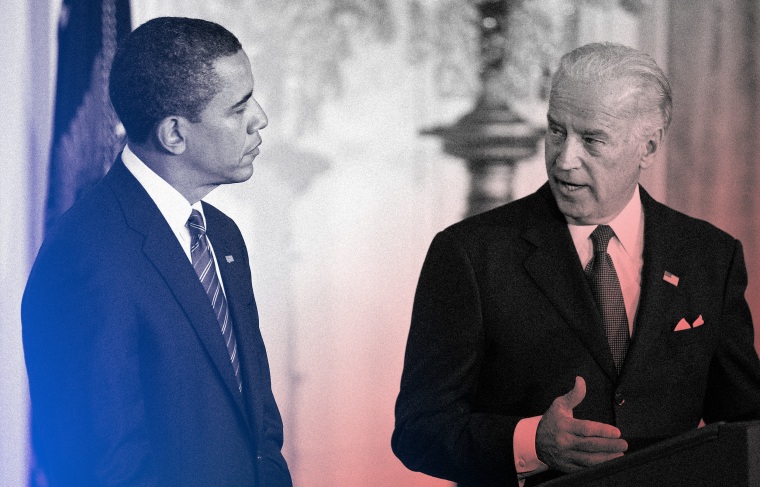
662,253
556,269
162,249
234,270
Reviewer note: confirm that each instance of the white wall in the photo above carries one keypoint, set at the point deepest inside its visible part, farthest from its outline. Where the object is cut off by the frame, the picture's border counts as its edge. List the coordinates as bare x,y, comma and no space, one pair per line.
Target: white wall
25,98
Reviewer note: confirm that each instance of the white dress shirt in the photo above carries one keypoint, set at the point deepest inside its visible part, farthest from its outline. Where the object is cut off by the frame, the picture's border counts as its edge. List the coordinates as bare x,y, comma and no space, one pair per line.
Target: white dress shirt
173,206
627,252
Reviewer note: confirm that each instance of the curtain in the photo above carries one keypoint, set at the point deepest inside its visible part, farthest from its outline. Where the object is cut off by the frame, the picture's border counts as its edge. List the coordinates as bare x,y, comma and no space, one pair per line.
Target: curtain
85,140
713,142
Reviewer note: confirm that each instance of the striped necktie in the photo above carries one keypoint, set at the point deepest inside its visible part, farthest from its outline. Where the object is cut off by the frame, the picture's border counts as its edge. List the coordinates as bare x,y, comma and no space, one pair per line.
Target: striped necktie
203,263
608,294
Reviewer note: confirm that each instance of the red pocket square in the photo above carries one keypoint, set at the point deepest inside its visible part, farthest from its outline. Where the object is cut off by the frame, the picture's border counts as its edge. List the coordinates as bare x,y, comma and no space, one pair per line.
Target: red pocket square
682,325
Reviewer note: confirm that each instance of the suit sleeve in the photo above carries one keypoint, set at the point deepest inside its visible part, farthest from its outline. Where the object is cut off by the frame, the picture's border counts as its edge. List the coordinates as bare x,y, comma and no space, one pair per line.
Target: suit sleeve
733,392
273,469
80,343
438,431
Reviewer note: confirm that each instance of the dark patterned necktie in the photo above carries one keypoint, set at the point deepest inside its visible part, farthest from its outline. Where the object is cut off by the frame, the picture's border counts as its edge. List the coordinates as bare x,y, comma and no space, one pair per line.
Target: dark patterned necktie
203,263
608,294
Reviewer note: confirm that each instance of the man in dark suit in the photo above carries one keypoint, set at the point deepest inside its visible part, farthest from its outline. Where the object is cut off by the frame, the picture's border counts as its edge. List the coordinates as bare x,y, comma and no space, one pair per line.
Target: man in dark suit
564,329
145,360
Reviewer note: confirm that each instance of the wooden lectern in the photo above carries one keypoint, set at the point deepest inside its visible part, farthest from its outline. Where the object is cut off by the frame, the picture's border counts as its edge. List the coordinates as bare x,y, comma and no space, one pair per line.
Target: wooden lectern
718,455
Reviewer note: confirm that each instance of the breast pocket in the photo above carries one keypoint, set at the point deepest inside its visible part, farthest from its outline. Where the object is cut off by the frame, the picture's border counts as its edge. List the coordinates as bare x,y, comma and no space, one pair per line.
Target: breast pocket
688,331
687,350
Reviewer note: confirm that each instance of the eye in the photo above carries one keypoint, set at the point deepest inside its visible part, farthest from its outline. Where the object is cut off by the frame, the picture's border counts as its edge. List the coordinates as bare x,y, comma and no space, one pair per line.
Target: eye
556,130
592,141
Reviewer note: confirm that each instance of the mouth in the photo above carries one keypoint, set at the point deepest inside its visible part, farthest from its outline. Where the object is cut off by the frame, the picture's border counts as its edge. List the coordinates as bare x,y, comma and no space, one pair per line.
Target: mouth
254,150
567,186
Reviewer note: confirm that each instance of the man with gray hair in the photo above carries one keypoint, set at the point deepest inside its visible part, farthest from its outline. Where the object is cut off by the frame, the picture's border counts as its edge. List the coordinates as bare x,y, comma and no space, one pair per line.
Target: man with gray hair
585,320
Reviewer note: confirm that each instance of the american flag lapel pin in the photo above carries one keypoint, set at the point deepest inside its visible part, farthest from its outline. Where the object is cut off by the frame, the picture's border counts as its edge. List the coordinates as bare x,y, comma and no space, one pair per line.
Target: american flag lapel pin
670,278
230,259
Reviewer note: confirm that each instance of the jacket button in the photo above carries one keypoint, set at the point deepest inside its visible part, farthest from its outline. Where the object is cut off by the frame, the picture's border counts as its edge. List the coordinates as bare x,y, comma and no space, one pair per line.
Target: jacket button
619,399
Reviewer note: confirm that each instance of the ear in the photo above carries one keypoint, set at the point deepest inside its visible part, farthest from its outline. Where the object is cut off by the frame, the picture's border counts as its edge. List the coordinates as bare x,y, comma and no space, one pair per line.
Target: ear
651,143
171,134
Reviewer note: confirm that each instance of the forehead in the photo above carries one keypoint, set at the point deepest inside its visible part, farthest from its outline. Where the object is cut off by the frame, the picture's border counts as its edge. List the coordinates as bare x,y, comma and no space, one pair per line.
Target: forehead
593,104
235,77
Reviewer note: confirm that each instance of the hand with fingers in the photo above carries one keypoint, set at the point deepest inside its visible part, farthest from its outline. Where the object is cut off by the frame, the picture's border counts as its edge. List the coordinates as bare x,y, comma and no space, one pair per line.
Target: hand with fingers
568,444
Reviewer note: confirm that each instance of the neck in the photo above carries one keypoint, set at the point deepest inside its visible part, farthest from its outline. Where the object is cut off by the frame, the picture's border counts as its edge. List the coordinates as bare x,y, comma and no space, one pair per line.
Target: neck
169,167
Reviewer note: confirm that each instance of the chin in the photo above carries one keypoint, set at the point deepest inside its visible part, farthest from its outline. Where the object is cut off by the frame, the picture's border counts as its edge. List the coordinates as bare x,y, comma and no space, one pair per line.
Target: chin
572,213
248,172
244,175
240,176
247,163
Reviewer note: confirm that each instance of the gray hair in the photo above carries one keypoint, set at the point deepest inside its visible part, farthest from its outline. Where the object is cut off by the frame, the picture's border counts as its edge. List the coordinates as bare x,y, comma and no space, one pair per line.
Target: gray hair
605,62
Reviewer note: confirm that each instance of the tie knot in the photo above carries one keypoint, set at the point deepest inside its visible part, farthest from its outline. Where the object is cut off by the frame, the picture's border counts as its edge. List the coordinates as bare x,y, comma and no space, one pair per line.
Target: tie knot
601,238
195,223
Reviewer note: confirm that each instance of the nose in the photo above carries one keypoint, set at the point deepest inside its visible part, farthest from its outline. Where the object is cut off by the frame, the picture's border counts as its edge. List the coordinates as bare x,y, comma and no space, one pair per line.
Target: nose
258,119
567,154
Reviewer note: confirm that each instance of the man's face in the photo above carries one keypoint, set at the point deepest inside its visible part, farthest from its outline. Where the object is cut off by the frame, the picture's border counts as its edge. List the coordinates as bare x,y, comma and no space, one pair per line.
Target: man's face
222,145
593,154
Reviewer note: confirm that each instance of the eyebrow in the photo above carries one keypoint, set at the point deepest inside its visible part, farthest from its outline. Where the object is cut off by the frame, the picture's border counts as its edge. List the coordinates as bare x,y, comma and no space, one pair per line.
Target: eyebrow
587,132
595,133
242,101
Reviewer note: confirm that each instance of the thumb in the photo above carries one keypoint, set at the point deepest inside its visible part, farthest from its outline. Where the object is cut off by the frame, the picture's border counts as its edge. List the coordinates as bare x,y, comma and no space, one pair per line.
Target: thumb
575,396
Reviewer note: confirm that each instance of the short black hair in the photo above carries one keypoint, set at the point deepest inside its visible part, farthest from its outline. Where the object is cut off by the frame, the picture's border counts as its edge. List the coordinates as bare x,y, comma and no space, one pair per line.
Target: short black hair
166,67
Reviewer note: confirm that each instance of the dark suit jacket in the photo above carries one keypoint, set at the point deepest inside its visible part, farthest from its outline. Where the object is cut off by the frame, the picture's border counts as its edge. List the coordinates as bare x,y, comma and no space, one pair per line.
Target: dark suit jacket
129,376
504,320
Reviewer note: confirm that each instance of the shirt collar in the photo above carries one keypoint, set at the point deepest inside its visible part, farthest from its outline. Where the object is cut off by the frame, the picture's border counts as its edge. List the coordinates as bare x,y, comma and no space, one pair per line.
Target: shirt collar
628,227
170,202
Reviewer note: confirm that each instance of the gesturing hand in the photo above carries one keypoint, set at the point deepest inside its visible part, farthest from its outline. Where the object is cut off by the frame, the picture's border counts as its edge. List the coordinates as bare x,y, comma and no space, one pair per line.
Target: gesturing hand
567,444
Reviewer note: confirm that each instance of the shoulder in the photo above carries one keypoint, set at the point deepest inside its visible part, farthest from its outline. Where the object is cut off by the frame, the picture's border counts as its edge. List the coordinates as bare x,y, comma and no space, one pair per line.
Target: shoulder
508,220
88,225
506,234
688,244
104,228
101,211
680,227
77,252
